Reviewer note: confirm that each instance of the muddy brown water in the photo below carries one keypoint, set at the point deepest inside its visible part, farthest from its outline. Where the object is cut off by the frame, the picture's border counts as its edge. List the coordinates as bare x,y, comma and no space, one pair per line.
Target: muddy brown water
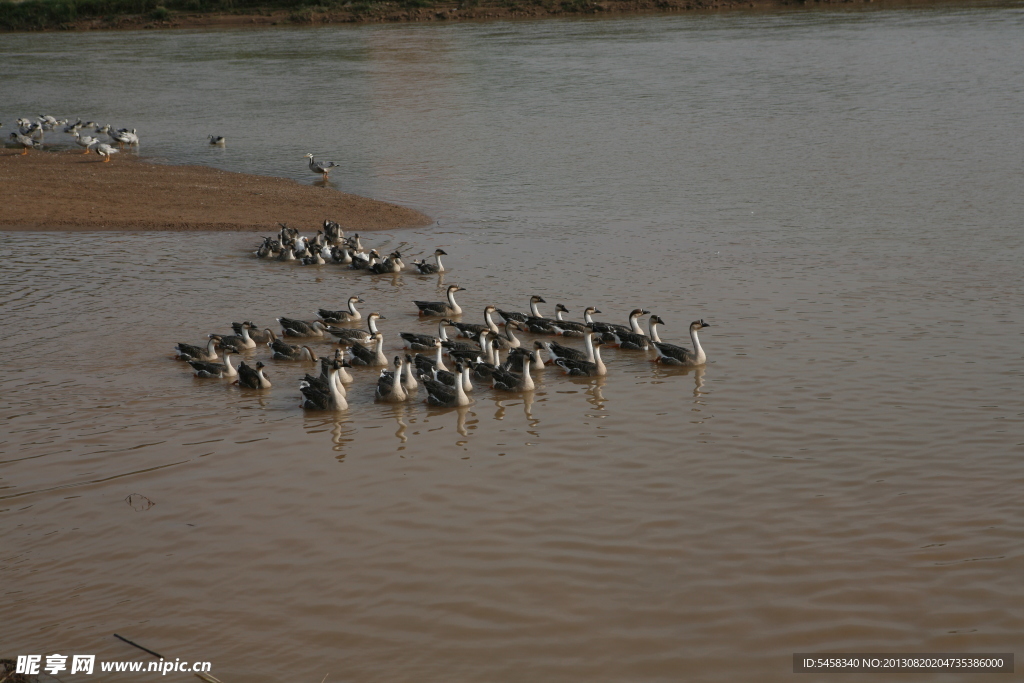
837,193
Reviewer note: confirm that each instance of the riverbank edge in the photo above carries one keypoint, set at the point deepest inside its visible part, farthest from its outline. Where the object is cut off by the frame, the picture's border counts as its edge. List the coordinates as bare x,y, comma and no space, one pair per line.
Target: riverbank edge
85,15
70,191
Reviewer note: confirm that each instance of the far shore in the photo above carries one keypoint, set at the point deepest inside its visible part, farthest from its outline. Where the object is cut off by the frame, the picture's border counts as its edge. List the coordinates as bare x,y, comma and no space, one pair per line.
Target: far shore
68,191
71,15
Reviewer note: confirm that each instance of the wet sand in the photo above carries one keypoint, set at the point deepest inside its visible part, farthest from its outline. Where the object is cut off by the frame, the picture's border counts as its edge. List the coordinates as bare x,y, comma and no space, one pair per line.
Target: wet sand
75,191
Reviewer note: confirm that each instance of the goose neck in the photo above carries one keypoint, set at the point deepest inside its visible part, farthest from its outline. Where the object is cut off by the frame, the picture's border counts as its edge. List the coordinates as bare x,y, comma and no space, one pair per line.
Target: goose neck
697,350
534,310
396,383
654,331
589,341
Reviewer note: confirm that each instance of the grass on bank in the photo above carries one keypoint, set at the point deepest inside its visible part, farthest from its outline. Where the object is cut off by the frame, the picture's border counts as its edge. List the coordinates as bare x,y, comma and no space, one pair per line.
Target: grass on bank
34,15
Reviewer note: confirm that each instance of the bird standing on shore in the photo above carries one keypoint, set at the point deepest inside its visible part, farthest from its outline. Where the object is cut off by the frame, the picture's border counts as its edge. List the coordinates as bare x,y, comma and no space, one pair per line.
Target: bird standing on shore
26,142
105,150
323,167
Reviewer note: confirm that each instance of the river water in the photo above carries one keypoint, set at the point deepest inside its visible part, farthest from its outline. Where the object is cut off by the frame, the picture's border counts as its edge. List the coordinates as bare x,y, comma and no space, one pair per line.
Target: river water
838,193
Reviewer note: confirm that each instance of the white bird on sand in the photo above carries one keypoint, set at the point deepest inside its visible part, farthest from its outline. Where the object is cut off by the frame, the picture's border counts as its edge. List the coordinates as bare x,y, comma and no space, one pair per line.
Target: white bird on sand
105,150
323,167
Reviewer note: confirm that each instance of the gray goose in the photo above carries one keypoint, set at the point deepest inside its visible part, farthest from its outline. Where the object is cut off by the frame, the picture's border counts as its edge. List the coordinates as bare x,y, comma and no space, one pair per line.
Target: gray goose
508,380
523,317
571,328
447,308
190,352
362,355
300,328
431,268
252,379
585,368
347,336
389,384
284,351
442,395
344,315
211,370
330,395
473,330
670,354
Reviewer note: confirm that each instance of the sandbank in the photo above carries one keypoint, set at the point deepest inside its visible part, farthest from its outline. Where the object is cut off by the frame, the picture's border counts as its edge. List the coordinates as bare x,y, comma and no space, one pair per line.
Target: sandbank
68,190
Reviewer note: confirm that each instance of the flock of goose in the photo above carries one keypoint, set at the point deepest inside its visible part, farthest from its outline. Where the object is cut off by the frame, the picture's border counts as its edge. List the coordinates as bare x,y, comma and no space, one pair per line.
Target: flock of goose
30,135
449,366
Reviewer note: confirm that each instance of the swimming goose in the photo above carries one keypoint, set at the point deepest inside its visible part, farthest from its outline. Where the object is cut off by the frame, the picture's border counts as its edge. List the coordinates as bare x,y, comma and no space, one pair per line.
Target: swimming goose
389,384
670,354
408,377
26,142
473,330
439,394
284,351
323,167
342,255
301,328
329,397
508,380
343,316
241,339
431,268
364,261
449,378
630,341
210,370
392,264
361,355
571,328
191,352
252,379
556,351
424,342
315,259
333,233
585,368
508,340
448,308
263,336
105,150
607,328
523,317
347,336
217,140
426,364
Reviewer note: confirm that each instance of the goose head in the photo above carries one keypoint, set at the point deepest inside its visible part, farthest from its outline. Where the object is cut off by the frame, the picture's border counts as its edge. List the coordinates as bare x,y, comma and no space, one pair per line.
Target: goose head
455,288
698,324
591,310
537,299
440,252
561,307
637,312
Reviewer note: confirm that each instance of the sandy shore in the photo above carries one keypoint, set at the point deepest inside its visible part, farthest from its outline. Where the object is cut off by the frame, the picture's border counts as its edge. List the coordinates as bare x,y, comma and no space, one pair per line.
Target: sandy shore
75,191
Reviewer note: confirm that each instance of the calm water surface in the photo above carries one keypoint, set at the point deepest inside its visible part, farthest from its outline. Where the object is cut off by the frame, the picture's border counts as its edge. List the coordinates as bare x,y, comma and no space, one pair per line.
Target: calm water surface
838,193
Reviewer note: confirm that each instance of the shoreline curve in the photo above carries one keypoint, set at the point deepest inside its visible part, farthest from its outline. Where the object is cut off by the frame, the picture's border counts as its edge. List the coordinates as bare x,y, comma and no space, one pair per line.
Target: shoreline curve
70,191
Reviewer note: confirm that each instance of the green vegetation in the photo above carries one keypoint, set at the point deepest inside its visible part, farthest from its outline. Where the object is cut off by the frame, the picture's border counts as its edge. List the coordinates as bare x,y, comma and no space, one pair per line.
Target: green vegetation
33,15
